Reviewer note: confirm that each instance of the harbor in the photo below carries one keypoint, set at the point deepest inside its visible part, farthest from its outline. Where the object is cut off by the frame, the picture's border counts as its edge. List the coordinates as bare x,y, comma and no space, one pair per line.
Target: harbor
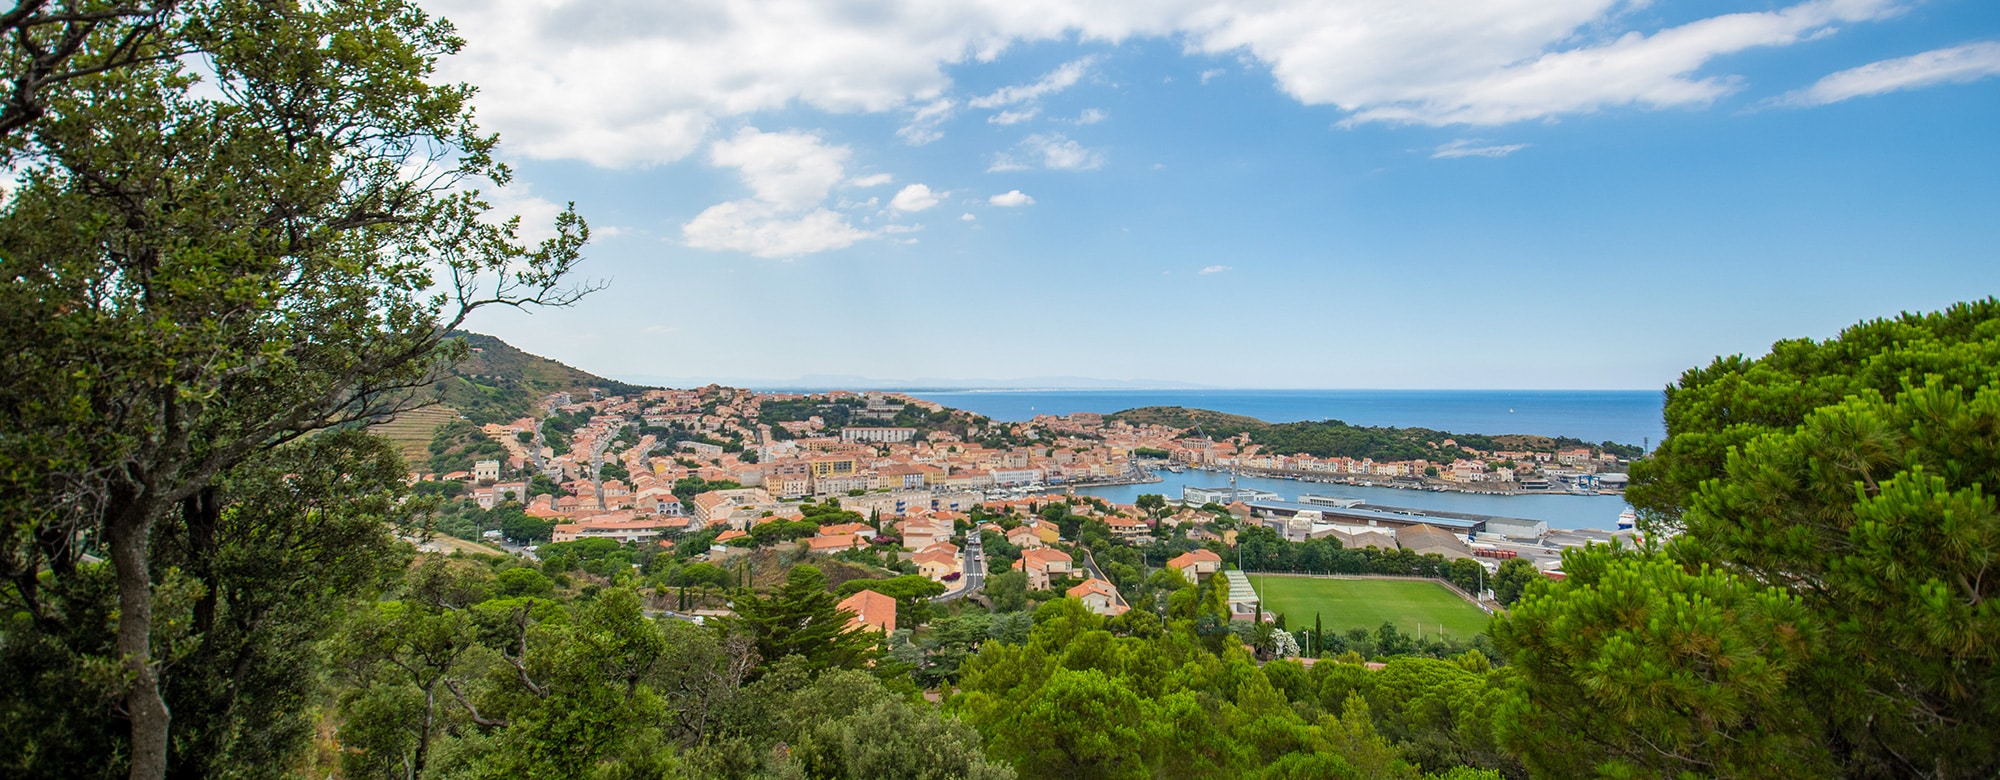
1559,510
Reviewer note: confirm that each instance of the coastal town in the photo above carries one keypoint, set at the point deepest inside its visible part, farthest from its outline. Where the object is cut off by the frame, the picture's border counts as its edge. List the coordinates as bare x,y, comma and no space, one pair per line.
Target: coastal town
920,485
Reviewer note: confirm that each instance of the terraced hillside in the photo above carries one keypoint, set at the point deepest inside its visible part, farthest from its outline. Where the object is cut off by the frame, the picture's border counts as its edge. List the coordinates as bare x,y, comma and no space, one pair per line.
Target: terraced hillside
412,431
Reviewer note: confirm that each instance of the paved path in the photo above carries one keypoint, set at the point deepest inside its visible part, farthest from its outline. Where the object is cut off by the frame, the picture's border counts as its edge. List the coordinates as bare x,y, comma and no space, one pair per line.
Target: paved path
975,570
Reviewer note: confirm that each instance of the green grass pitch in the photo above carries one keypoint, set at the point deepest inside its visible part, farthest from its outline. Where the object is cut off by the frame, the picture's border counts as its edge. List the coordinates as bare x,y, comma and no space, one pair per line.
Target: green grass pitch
1345,604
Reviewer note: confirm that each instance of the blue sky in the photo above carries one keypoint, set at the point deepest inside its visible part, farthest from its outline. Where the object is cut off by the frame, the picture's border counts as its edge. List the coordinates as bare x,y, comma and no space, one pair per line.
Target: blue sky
1288,193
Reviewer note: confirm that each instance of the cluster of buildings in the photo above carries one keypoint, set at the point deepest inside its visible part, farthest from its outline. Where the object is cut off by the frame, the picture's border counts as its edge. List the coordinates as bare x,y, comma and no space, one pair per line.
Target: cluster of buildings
916,483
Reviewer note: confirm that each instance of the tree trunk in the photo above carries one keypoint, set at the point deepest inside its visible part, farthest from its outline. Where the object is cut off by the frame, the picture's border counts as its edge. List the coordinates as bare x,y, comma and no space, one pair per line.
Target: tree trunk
129,535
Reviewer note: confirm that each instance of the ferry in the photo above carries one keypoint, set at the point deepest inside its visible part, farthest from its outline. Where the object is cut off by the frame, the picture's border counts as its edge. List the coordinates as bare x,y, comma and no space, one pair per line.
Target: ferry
1628,520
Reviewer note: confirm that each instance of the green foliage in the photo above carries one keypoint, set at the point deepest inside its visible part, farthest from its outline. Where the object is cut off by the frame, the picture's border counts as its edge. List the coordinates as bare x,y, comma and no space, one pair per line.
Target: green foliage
686,488
1513,579
457,445
1636,666
1854,474
1074,698
801,619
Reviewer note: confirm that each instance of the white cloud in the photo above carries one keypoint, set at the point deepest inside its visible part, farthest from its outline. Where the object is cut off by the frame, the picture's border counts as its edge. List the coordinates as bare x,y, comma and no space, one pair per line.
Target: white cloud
789,175
623,83
1214,269
1091,116
1654,71
1210,74
1048,150
914,198
925,121
871,180
1014,117
790,170
968,217
1466,147
1956,65
759,229
1010,199
1050,83
901,229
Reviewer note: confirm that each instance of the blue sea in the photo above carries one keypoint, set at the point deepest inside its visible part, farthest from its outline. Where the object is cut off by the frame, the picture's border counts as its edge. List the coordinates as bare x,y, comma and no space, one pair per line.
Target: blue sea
1559,510
1623,416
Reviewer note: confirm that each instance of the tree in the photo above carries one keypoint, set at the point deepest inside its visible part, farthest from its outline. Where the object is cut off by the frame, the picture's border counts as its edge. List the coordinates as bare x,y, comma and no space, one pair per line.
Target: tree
307,531
1678,673
802,619
193,280
1153,504
1512,580
1854,475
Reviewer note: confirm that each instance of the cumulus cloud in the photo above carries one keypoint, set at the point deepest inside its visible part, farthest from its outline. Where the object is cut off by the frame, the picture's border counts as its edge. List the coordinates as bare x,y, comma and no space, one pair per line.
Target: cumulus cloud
1955,65
761,230
968,217
1214,269
1091,116
1210,74
1467,147
871,180
914,198
1048,150
1010,199
789,175
623,83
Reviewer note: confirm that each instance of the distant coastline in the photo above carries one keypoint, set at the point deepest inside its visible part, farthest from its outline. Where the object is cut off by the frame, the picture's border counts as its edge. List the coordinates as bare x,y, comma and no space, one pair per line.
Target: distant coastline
1623,416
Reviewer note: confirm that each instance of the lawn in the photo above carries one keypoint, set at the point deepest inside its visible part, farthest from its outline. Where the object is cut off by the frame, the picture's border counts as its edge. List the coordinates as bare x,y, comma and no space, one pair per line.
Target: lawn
1345,604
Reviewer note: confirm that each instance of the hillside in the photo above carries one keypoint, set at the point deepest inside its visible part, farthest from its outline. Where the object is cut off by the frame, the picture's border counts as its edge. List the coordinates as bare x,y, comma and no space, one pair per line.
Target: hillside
1333,438
498,383
1213,423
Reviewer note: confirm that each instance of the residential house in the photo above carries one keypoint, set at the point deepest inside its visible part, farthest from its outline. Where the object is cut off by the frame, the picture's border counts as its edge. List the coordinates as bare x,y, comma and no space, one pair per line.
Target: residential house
1196,564
827,545
1099,596
936,563
871,611
1043,565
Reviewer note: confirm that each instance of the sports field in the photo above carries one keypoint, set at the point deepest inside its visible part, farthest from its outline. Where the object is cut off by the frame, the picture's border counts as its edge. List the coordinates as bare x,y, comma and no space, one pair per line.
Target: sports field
1345,604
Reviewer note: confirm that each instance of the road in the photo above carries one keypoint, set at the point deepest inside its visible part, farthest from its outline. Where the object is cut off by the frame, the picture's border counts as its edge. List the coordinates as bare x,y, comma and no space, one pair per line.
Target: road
975,570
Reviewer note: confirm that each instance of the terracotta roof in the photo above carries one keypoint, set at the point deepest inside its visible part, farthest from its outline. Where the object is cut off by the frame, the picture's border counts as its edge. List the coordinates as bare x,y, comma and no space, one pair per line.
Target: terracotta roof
871,610
1193,557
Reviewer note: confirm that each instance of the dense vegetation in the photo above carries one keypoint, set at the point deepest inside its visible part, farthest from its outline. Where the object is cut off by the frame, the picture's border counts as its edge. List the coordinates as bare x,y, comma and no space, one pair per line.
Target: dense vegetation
1333,438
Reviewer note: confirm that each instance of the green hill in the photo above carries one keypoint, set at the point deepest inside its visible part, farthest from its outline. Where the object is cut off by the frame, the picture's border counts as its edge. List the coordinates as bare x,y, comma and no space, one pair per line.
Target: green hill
498,383
1333,438
1213,423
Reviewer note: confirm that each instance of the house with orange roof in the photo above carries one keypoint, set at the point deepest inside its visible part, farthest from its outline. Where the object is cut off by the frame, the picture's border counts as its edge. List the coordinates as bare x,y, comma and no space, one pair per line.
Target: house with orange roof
919,534
1099,596
936,563
1043,565
871,611
1126,527
828,545
847,528
1195,564
1024,537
